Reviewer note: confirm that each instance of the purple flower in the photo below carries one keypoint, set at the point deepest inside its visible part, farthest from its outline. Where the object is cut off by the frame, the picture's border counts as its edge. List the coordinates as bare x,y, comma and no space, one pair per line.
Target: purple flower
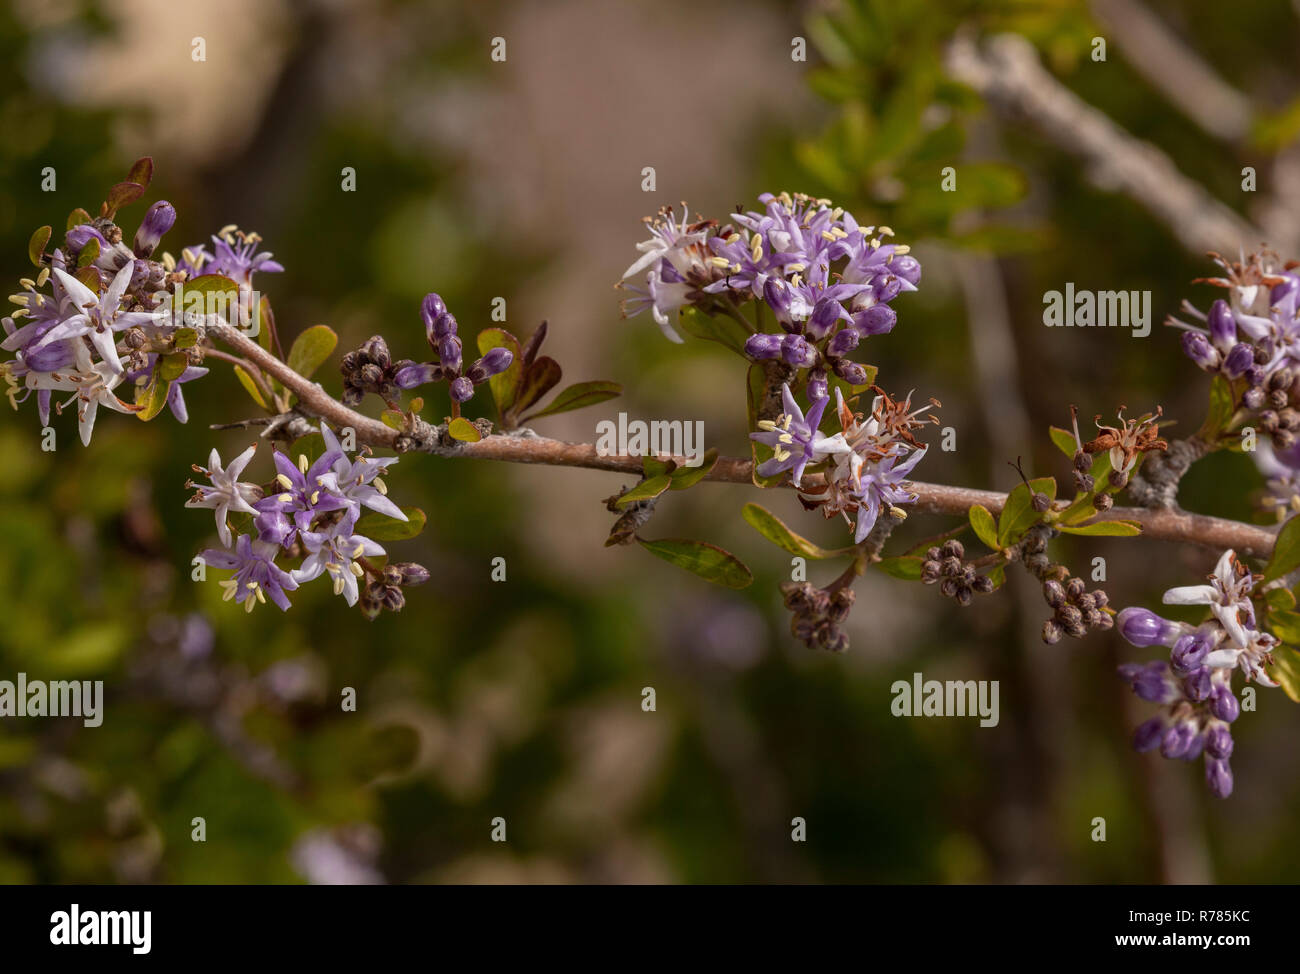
304,493
794,438
235,256
226,493
337,554
357,481
256,577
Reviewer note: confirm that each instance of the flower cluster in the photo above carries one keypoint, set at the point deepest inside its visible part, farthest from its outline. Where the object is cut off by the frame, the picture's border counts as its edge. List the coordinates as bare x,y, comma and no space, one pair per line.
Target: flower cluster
870,457
1194,688
308,515
99,318
826,280
370,368
1252,338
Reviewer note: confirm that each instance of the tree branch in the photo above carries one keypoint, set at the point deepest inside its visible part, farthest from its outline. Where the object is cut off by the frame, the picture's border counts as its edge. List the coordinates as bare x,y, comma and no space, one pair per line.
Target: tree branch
526,446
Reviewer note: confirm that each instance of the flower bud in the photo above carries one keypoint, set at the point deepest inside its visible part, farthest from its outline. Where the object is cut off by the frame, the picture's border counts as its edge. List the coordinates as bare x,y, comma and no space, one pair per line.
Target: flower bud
1218,741
818,387
1179,740
1238,360
1219,777
158,219
497,360
887,288
1150,681
907,267
1189,653
376,351
461,389
411,573
430,309
1224,705
1223,327
449,354
851,372
779,298
952,548
763,346
1051,632
845,341
984,585
1197,684
417,375
1053,593
1200,351
797,353
879,319
1142,627
82,234
1148,735
823,318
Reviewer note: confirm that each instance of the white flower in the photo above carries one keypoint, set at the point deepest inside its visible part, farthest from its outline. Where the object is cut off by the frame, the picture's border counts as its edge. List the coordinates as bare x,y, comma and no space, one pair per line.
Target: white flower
96,315
1227,595
337,556
226,493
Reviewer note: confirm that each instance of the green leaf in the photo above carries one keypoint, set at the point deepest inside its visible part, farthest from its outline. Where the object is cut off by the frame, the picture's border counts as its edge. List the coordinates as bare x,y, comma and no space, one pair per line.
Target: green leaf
312,348
1286,552
540,377
577,396
1104,529
1280,599
774,529
173,366
381,527
986,528
710,562
653,467
1286,671
184,338
36,246
392,419
76,218
684,477
907,567
89,253
152,397
250,386
462,429
1063,439
1285,625
1219,412
646,490
999,576
504,385
724,330
1018,516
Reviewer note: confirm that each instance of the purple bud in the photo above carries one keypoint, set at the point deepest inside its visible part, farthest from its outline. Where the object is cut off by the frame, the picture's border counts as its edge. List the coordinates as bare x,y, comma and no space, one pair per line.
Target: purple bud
417,375
1149,681
879,319
1197,684
1147,736
1200,351
430,308
82,234
818,387
495,361
1179,740
908,268
779,299
158,219
796,352
1241,358
851,372
1190,651
887,288
1255,376
763,346
1218,741
823,318
1219,777
1223,327
845,341
272,526
462,389
1142,627
449,350
1224,705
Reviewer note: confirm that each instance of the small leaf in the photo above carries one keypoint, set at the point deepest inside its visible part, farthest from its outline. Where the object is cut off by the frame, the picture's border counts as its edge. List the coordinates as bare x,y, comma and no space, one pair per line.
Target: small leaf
907,567
999,576
89,277
688,476
89,253
392,419
1063,439
986,528
1286,671
1219,412
579,395
774,529
312,348
184,338
653,467
1018,515
1280,599
721,329
122,194
1285,625
250,386
76,218
462,429
540,377
1286,552
644,491
1104,529
152,397
141,171
381,527
504,385
534,343
710,562
36,246
173,366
